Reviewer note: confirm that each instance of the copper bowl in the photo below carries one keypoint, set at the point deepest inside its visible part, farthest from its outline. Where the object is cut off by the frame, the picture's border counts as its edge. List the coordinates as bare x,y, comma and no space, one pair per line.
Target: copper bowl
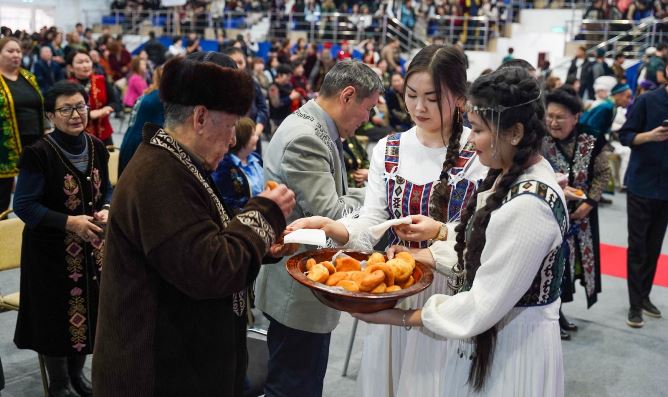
354,302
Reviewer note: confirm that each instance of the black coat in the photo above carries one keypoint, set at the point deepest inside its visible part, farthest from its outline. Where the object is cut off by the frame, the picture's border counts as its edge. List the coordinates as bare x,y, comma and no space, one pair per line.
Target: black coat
60,273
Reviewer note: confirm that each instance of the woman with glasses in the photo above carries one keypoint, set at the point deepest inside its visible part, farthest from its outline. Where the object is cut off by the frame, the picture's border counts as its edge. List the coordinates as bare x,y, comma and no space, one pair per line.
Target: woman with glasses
62,195
21,120
101,95
577,152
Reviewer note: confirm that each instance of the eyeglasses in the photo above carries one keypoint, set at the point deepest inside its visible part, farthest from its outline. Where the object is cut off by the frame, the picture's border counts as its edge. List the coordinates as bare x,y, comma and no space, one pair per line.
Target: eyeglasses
558,119
68,111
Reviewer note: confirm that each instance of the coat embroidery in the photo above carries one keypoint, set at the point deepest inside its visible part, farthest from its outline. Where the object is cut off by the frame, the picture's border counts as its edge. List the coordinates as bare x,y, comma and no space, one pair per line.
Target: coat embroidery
162,139
74,258
258,224
71,189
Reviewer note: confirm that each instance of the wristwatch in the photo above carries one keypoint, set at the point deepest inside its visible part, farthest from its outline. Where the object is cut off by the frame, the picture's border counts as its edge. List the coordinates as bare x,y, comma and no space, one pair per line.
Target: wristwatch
442,233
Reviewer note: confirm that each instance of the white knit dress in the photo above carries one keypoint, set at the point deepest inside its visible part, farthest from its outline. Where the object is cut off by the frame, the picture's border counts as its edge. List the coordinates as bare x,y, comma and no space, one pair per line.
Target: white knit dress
528,358
391,354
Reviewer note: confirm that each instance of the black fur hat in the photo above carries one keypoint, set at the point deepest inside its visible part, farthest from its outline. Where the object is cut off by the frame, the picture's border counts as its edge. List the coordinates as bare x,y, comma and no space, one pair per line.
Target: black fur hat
190,83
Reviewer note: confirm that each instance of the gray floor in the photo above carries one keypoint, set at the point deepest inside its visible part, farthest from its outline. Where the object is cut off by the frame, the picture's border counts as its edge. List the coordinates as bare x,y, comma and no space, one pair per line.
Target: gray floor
604,358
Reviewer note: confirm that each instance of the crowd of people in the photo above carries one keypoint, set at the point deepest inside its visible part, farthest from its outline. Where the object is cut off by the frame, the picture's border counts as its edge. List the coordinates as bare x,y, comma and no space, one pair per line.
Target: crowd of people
501,178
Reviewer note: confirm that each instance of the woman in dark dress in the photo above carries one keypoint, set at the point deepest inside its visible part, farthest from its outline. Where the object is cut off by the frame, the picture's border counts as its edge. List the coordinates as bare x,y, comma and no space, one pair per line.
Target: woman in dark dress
21,120
62,195
577,152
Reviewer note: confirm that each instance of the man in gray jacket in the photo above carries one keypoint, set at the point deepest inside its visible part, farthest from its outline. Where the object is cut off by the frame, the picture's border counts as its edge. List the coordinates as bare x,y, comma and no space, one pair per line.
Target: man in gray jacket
306,154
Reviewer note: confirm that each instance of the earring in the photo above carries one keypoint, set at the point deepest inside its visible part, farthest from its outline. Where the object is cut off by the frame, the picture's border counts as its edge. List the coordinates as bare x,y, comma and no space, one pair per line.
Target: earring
458,116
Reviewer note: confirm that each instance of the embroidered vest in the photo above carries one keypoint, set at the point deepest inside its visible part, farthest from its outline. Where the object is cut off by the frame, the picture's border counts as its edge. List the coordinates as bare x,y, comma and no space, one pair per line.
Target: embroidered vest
406,198
579,241
546,286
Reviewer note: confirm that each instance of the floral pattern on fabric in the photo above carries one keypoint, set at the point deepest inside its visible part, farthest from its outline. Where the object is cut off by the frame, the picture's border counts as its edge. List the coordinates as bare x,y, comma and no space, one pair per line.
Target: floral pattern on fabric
71,189
579,240
75,260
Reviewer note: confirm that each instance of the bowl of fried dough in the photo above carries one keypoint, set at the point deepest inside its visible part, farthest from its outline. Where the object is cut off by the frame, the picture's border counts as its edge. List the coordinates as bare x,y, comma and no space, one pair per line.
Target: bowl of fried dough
359,281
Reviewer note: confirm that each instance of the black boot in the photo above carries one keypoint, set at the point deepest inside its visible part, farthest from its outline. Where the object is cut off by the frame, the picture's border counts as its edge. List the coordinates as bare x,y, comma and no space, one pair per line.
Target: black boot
59,380
79,382
565,324
564,335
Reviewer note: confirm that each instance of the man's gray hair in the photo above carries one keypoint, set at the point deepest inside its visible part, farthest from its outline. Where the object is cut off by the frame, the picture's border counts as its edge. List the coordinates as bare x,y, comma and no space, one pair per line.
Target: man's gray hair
176,114
351,73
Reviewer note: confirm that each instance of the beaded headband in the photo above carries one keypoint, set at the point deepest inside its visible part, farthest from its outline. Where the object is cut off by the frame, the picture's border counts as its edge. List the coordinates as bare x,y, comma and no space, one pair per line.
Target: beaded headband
497,110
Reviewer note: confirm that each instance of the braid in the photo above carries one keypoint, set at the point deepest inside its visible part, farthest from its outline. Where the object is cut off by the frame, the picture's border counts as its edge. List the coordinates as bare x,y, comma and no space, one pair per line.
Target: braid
508,87
441,195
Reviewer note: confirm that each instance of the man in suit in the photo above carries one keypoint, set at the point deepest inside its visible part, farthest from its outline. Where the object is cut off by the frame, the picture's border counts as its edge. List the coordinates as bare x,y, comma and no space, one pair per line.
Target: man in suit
306,154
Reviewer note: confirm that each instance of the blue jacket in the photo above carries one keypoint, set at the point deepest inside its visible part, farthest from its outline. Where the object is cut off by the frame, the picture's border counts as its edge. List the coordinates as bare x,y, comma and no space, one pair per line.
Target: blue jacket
148,109
47,74
647,175
233,184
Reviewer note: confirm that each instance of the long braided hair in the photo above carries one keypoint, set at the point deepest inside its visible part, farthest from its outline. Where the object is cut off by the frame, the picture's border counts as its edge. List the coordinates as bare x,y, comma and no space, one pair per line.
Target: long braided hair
518,92
447,67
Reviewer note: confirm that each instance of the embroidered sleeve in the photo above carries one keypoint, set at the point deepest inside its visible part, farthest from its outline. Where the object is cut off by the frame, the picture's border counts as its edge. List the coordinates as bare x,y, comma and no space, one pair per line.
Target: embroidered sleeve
259,225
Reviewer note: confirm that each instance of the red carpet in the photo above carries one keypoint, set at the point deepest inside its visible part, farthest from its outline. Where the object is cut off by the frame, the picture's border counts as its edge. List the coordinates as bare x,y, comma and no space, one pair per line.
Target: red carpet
613,263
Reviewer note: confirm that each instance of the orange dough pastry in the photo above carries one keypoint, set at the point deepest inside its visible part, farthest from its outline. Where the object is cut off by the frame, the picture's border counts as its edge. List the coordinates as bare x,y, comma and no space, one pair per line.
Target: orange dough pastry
401,270
408,282
379,289
309,263
358,276
271,185
336,277
372,280
318,273
389,274
579,192
376,257
348,285
393,288
347,264
329,266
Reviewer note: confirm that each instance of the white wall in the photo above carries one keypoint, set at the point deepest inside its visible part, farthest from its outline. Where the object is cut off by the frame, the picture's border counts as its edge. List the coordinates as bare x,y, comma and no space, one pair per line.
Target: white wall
538,31
66,13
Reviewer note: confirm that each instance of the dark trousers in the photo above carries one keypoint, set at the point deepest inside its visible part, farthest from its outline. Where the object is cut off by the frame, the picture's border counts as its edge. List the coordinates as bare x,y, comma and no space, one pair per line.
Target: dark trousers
647,221
6,186
297,361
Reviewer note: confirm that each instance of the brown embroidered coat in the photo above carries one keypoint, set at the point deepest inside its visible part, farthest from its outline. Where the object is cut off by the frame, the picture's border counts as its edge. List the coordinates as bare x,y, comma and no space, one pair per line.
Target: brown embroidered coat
172,318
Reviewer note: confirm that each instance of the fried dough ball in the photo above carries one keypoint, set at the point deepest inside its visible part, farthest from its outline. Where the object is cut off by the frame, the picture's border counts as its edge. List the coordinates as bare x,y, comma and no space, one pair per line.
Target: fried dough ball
401,269
309,263
393,288
408,282
271,185
348,285
318,273
336,277
347,264
372,280
329,266
376,257
379,289
358,276
389,274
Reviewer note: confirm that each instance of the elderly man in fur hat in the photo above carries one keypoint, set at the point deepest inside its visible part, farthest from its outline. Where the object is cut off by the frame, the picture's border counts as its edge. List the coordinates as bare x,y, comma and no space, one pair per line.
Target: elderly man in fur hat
172,317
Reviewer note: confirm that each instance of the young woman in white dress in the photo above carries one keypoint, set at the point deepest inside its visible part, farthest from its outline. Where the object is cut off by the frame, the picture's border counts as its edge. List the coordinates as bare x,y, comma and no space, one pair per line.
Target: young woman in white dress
502,326
427,171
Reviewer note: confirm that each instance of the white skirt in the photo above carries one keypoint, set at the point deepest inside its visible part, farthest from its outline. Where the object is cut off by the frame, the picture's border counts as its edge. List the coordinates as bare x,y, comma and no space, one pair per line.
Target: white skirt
527,359
396,362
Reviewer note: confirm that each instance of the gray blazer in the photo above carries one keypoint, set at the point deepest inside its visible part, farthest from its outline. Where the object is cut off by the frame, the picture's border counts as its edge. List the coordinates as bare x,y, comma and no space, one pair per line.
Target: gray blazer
303,156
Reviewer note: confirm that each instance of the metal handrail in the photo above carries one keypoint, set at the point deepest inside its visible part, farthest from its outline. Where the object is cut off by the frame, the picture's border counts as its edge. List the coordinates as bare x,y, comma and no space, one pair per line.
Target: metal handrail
319,27
638,35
